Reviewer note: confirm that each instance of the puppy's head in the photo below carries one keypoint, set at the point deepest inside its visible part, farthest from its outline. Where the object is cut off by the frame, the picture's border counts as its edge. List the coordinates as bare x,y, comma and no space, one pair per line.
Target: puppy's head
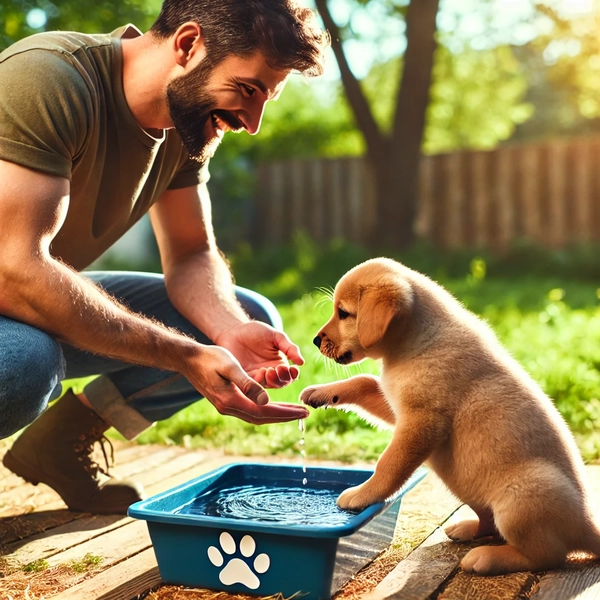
369,300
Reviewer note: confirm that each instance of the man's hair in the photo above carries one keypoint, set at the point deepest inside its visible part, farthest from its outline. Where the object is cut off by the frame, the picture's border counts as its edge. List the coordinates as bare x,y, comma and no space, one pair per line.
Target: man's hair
284,32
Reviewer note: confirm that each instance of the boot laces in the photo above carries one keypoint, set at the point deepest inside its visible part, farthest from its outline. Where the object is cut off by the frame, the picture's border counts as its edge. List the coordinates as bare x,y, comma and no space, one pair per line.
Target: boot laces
85,448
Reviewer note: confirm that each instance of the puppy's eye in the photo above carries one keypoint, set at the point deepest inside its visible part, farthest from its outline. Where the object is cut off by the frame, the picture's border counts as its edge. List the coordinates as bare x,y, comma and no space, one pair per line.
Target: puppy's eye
342,314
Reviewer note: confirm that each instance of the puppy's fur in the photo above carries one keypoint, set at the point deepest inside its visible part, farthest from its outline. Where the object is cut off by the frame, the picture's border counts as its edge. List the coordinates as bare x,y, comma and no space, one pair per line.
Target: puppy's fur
457,401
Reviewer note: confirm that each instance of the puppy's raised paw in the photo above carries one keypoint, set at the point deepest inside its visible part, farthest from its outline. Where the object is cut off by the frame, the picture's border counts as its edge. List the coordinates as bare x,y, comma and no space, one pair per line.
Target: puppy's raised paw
319,395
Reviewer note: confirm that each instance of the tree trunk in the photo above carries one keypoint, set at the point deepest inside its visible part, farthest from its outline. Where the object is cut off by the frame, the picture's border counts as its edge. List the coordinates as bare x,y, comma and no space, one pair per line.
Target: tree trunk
397,168
394,159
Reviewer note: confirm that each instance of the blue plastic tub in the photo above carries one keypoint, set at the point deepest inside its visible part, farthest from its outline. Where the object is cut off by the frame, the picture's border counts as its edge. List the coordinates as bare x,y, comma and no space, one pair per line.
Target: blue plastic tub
257,557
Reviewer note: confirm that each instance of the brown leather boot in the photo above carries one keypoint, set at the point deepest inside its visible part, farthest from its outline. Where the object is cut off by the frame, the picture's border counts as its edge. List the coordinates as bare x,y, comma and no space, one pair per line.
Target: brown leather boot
57,448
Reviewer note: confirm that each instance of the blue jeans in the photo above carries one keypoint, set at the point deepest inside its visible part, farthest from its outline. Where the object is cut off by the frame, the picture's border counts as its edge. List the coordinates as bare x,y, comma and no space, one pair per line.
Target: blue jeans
129,397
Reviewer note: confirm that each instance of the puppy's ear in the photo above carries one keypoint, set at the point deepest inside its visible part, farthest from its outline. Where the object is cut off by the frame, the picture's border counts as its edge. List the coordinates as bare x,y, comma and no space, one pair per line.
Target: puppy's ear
377,306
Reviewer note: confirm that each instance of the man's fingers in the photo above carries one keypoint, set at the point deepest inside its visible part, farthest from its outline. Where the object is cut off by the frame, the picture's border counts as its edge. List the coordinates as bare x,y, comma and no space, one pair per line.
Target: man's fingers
270,413
275,377
291,351
249,388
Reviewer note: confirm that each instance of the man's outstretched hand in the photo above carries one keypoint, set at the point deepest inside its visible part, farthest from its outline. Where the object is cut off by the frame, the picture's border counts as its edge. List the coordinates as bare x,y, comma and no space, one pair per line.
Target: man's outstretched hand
220,378
263,352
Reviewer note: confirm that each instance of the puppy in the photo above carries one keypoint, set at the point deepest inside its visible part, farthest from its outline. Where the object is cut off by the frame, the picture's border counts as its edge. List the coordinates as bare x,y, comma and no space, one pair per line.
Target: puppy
456,400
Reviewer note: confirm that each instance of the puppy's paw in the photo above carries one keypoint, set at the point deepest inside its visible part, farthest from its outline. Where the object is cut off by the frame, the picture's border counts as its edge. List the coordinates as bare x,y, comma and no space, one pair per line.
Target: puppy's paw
464,531
319,395
497,560
477,561
356,498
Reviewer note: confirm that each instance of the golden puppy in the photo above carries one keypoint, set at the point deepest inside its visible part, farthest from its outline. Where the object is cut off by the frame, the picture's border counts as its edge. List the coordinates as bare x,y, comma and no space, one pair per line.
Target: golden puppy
456,400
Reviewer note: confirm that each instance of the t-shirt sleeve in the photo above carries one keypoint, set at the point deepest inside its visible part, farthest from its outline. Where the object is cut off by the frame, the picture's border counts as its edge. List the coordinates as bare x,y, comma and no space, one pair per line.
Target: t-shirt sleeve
45,109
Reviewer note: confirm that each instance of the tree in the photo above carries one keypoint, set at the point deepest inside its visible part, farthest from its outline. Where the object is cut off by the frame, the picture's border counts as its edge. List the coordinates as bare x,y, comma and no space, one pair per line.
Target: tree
394,157
20,18
568,56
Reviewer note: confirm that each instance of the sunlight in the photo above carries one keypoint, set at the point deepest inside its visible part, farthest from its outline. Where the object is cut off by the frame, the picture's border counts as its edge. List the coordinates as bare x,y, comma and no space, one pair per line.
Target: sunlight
569,8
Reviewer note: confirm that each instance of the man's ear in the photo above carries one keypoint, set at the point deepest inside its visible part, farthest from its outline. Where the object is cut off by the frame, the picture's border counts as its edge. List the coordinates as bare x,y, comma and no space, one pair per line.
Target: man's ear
188,44
377,306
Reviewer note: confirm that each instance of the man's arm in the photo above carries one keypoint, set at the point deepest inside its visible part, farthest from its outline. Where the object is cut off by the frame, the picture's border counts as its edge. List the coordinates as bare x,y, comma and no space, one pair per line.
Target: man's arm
200,285
197,277
37,289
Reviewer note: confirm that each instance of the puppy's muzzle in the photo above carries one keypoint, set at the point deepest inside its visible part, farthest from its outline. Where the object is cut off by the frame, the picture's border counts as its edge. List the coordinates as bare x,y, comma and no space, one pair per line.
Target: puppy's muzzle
317,341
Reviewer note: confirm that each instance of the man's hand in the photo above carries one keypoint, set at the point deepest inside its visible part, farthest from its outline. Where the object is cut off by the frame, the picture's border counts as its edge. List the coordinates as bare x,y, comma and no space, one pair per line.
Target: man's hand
219,377
263,353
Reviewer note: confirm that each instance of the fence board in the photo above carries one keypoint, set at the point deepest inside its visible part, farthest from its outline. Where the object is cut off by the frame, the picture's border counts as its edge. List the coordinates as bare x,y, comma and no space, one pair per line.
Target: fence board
547,193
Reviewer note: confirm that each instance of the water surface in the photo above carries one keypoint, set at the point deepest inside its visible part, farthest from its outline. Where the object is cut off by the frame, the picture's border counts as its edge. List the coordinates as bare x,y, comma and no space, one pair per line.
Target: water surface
287,505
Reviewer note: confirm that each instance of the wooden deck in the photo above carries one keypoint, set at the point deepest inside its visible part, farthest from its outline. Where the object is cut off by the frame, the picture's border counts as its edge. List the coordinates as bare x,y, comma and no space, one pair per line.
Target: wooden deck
47,551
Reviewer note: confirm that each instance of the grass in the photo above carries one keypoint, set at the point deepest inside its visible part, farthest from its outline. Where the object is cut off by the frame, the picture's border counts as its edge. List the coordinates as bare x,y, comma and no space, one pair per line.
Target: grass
544,306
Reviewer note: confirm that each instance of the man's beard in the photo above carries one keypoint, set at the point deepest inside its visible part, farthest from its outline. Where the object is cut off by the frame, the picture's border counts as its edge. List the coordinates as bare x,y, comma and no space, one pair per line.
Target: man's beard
192,108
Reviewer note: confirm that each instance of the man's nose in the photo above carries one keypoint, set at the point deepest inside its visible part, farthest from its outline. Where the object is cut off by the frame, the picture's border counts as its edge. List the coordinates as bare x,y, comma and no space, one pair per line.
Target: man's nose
255,115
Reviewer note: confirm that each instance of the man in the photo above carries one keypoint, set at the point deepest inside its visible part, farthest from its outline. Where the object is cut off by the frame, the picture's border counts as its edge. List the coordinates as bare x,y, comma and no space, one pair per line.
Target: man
95,130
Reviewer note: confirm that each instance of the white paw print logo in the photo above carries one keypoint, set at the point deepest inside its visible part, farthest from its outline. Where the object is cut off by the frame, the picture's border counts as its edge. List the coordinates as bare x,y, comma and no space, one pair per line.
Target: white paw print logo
237,570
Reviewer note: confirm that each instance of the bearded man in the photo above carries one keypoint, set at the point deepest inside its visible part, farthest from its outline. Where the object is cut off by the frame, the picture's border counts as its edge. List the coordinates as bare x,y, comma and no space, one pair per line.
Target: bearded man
95,131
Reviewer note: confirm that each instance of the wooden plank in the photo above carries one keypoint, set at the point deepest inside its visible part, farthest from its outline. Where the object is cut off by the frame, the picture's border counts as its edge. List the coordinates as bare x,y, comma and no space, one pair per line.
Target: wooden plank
82,527
75,532
426,568
315,200
24,526
43,505
125,580
125,454
181,469
455,200
159,455
574,583
482,192
501,587
425,209
26,497
112,547
529,193
557,179
354,200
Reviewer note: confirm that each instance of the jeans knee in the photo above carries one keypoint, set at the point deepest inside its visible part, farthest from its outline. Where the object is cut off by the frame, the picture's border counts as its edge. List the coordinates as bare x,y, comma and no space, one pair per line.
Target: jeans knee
31,368
259,307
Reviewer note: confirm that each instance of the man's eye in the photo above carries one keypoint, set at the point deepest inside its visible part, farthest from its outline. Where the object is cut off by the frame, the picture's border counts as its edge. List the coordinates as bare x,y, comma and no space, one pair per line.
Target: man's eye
342,314
249,90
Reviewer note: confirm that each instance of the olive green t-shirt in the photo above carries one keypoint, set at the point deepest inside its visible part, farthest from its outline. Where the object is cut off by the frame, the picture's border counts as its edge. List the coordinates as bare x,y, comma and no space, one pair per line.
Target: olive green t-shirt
63,112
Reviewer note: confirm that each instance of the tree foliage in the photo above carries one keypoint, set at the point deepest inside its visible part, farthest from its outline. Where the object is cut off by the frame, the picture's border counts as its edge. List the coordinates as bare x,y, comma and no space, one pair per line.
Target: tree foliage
20,18
570,49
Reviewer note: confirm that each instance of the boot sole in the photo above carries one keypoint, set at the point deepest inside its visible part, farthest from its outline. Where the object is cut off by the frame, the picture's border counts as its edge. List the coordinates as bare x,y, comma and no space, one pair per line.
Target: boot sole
18,468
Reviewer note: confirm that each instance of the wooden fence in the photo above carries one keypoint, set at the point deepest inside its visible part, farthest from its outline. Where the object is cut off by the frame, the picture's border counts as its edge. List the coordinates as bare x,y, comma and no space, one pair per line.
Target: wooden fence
547,193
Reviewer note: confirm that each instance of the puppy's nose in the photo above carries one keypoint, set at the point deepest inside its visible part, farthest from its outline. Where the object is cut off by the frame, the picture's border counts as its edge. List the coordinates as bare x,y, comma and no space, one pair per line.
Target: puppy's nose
317,342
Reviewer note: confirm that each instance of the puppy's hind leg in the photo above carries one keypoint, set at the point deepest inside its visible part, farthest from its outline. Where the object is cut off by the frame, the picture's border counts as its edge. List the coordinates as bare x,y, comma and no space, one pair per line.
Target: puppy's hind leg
538,514
497,560
468,530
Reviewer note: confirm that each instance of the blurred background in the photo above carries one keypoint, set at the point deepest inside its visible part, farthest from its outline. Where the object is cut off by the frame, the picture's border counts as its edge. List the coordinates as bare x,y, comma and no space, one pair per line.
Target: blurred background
459,136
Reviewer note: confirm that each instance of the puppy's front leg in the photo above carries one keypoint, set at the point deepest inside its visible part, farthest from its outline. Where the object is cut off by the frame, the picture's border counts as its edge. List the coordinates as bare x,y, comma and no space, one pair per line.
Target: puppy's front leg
414,439
361,392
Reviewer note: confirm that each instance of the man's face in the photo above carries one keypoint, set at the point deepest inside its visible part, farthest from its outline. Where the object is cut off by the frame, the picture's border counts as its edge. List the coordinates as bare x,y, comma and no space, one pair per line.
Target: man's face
210,100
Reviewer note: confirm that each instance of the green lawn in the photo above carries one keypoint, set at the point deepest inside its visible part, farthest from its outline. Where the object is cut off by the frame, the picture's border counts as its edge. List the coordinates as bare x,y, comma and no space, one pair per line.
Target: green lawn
546,312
